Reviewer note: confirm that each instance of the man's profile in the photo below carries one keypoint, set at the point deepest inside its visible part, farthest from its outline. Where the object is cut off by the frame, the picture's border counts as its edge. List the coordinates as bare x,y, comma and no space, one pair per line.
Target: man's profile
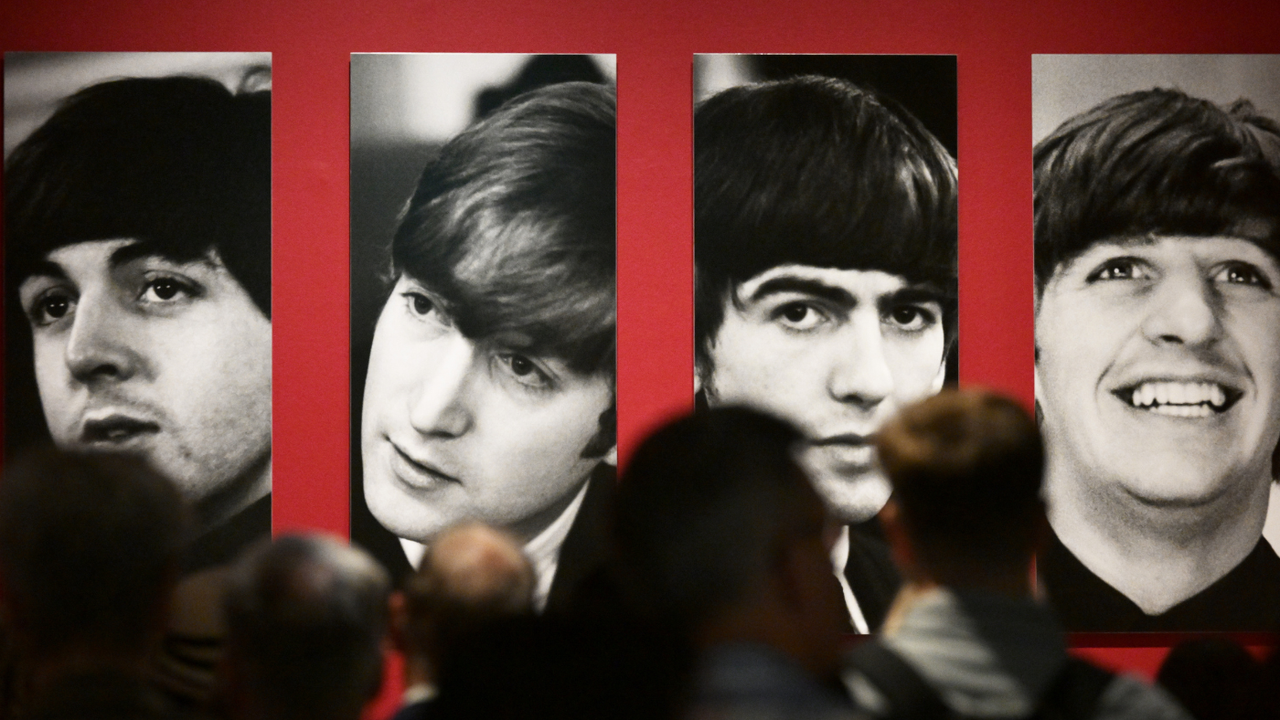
489,394
1157,238
138,273
825,292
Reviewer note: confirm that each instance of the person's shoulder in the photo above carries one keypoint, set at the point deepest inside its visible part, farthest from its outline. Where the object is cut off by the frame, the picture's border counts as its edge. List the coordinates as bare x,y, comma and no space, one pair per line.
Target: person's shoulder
1129,697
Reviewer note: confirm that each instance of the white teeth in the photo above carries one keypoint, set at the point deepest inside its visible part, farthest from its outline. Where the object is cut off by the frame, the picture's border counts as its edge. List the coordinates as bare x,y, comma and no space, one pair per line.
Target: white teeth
1180,399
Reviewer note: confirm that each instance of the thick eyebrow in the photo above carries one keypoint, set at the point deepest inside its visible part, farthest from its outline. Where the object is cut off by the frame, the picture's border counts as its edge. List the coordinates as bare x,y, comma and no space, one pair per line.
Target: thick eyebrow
138,250
913,295
46,268
816,288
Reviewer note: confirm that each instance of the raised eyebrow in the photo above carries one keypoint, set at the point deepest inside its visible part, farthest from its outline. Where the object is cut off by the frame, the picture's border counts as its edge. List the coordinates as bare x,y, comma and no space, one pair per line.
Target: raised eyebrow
806,286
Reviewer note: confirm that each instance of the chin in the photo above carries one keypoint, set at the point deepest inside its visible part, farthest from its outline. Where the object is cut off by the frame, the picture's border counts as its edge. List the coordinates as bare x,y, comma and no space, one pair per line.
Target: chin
853,500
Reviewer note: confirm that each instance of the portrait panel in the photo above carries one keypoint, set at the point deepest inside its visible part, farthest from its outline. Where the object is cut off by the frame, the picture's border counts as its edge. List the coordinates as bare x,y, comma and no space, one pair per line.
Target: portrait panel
484,304
137,215
825,252
1157,285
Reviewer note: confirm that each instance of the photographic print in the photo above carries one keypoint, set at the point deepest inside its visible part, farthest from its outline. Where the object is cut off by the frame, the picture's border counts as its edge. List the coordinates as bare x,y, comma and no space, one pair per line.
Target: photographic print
825,248
483,307
137,218
1157,282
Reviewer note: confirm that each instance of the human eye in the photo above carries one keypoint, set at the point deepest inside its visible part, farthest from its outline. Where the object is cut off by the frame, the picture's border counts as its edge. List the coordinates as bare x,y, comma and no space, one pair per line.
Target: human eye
47,306
423,306
525,371
167,289
912,317
1119,268
799,315
1242,273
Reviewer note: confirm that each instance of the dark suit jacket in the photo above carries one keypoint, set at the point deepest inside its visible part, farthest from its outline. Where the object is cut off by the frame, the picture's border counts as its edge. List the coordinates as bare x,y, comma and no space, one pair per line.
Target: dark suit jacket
872,576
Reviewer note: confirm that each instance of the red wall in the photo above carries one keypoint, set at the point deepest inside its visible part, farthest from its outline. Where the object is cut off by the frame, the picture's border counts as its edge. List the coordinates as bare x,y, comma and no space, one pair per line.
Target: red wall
654,41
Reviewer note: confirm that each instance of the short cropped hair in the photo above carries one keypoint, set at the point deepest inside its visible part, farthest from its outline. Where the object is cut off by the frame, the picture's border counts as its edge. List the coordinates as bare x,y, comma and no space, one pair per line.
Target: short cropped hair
703,510
513,226
90,546
966,468
306,617
817,171
1155,162
179,163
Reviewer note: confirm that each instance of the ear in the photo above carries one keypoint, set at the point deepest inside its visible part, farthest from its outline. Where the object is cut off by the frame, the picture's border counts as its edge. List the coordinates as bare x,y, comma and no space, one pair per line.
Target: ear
697,379
611,457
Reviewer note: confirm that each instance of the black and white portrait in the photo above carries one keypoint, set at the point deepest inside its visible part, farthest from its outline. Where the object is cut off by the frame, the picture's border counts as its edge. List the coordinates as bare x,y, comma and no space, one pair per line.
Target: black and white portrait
484,304
825,247
137,228
1157,284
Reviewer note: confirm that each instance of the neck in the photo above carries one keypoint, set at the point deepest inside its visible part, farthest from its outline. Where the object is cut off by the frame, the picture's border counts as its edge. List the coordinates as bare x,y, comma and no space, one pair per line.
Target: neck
239,494
1156,555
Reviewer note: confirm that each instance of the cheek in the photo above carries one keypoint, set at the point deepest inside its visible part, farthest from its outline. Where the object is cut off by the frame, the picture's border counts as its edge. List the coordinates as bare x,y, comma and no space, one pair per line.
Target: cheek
915,364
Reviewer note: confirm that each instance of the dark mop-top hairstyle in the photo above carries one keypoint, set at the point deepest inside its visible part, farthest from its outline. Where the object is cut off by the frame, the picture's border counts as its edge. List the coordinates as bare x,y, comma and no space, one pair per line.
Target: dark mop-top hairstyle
512,227
1155,162
179,163
817,171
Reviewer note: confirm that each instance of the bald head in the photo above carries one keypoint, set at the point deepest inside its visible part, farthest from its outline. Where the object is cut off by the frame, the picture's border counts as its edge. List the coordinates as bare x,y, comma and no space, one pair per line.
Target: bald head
480,566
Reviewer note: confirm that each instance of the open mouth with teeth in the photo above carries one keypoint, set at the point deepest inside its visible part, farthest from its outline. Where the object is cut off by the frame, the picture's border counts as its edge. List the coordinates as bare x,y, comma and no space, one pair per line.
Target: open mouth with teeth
1180,399
117,430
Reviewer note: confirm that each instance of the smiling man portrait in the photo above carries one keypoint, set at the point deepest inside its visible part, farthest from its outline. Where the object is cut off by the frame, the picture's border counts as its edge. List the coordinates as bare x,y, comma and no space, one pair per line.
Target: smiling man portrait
1157,231
825,293
138,267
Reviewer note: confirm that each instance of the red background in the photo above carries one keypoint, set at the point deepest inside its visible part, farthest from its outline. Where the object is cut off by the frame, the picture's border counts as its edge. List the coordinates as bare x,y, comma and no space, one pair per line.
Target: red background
654,41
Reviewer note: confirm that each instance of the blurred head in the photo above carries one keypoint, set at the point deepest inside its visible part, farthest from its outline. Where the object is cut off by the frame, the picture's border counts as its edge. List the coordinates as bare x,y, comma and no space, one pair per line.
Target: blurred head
490,390
825,252
90,547
966,469
713,514
471,576
1157,238
306,618
138,231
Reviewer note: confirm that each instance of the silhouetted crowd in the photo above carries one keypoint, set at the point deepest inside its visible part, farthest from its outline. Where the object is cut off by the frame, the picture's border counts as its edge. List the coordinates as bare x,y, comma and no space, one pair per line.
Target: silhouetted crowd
715,599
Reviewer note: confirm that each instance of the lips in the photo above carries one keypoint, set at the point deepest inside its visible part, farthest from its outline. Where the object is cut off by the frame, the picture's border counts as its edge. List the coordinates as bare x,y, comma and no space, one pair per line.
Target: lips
418,473
117,430
1180,398
849,451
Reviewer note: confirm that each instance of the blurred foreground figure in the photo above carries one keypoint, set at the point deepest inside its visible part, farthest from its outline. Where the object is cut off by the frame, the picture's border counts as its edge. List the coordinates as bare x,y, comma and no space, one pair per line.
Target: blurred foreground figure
720,533
964,635
471,576
306,617
90,547
1215,677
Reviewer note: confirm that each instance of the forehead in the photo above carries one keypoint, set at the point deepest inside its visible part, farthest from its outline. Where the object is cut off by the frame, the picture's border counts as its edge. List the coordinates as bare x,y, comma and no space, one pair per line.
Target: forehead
861,285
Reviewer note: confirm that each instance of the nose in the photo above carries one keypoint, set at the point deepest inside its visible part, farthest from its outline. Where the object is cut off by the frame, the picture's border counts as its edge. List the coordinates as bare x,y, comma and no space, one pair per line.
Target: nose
1185,311
860,374
102,345
440,406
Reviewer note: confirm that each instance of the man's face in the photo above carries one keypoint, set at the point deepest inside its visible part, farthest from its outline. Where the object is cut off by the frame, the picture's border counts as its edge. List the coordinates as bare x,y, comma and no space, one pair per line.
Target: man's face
1157,369
140,354
836,352
456,429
